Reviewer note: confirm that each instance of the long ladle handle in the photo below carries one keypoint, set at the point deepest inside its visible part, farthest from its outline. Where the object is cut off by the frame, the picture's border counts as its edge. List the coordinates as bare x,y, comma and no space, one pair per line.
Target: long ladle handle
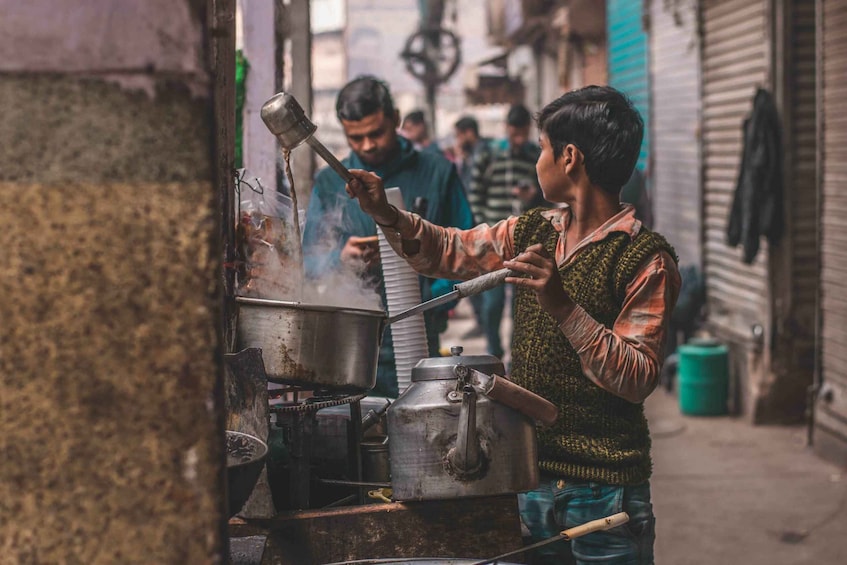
330,159
461,290
598,525
484,282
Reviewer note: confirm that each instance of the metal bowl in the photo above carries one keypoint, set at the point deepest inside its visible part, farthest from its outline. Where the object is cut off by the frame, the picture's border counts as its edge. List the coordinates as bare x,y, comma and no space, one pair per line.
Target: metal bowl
245,457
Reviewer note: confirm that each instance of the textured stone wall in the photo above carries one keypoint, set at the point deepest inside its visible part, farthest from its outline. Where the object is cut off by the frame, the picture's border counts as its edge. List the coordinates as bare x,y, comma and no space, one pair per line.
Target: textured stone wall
110,400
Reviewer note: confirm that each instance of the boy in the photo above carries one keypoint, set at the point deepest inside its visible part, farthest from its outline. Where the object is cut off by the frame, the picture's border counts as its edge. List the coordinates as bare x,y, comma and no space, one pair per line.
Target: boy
593,304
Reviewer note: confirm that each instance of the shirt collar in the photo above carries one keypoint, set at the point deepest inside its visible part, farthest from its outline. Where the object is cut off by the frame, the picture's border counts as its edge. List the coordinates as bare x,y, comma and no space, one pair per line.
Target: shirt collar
624,221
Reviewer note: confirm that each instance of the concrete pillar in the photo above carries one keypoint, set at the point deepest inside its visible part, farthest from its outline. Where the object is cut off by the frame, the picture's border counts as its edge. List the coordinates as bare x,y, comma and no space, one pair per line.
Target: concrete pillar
260,147
111,432
300,34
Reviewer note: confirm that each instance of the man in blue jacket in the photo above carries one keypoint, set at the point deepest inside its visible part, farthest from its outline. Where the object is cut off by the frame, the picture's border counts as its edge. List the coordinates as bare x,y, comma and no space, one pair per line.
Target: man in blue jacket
370,121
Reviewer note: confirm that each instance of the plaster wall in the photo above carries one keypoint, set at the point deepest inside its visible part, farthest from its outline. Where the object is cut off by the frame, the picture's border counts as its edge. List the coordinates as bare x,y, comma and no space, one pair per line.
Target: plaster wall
260,147
110,400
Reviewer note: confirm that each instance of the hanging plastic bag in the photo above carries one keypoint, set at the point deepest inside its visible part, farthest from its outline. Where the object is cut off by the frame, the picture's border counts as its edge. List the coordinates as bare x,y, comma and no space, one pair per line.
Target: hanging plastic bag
270,266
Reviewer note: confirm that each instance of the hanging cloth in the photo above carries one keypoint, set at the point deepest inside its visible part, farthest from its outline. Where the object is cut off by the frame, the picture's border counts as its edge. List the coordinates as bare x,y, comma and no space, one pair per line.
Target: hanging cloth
757,207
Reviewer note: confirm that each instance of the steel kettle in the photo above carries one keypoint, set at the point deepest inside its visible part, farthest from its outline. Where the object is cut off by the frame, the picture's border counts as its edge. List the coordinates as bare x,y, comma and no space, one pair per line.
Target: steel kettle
450,440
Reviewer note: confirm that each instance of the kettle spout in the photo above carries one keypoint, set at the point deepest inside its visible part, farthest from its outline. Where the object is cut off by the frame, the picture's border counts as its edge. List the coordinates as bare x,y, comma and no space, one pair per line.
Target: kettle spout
466,456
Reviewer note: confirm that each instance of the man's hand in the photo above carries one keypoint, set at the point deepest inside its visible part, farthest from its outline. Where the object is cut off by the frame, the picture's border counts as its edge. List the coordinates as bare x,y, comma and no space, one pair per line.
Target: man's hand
543,278
367,188
361,249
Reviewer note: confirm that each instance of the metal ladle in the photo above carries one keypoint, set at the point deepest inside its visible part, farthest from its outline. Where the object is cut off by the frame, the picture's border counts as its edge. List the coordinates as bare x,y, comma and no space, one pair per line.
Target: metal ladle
285,118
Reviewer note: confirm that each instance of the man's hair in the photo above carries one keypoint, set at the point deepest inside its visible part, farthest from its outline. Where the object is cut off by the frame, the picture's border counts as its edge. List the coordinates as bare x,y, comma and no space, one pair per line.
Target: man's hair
518,116
467,123
415,117
363,96
604,125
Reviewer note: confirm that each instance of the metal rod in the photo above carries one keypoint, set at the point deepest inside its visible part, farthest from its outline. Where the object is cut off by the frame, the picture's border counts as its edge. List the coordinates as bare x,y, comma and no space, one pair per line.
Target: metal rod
325,154
598,525
443,299
353,483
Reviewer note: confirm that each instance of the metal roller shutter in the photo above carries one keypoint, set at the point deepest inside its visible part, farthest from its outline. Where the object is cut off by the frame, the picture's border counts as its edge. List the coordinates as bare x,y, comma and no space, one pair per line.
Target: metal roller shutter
628,60
831,410
801,194
735,61
675,93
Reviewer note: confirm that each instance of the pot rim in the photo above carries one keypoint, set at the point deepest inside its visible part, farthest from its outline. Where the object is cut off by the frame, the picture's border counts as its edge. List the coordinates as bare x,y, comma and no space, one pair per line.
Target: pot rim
262,445
309,307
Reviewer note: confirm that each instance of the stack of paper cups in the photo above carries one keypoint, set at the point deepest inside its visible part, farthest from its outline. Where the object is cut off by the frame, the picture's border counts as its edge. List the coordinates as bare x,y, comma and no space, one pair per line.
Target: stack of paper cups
402,291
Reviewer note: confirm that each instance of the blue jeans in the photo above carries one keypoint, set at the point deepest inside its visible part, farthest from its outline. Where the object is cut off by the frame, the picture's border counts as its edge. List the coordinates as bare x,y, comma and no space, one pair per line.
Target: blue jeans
557,505
492,302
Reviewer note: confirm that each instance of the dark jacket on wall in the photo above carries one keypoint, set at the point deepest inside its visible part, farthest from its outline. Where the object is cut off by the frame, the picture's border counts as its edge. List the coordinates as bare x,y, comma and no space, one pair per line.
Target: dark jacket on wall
757,207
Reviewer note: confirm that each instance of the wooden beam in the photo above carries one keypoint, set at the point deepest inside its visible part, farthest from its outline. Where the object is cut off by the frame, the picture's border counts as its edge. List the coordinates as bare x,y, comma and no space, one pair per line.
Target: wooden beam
459,528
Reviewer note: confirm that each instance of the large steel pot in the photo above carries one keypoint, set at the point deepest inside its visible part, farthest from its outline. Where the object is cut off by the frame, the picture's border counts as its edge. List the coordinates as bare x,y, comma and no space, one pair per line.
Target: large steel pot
313,345
328,346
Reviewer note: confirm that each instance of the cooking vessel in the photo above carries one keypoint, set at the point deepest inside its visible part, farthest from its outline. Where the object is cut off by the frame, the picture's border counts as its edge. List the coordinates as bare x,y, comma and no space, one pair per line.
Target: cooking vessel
245,457
327,346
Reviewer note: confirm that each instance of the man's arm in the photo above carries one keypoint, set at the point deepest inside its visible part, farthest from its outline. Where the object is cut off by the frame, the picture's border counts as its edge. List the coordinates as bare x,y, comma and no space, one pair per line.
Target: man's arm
457,207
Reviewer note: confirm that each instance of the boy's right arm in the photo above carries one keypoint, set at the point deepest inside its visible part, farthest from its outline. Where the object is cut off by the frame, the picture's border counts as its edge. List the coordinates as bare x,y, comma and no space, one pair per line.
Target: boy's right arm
433,250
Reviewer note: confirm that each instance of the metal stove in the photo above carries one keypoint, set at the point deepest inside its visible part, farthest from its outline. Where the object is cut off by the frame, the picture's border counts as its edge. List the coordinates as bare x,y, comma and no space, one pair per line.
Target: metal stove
293,468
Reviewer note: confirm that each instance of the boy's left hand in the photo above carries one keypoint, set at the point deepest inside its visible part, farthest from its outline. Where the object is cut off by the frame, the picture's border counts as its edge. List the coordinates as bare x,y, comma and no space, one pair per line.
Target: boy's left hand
542,278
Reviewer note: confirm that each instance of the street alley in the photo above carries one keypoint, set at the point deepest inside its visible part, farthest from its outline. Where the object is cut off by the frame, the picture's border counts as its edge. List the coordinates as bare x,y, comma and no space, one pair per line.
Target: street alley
726,492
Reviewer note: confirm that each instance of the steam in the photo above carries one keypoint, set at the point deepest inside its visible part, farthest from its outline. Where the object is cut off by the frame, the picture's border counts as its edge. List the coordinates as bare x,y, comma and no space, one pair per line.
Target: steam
269,234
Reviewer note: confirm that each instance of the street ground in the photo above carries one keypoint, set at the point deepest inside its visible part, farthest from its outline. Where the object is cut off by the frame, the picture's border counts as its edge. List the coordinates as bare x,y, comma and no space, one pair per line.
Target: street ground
726,492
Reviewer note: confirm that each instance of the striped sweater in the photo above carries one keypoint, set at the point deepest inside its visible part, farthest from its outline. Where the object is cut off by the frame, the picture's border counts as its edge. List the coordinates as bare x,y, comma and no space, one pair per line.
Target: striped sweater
494,178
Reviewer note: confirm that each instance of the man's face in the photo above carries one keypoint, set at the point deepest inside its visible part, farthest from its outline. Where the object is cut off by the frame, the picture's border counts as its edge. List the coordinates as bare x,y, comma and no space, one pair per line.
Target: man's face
517,136
466,139
373,138
416,133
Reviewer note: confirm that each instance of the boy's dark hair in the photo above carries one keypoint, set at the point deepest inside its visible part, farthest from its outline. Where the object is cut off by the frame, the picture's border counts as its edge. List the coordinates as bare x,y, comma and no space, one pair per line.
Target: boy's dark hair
363,96
518,116
467,123
415,117
604,125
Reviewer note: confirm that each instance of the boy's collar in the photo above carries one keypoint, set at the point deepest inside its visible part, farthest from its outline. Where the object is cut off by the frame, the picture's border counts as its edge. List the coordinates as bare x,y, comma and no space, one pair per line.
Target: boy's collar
624,221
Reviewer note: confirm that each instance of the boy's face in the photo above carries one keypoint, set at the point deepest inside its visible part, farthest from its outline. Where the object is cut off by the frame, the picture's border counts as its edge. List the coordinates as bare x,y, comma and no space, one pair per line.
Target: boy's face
555,184
373,138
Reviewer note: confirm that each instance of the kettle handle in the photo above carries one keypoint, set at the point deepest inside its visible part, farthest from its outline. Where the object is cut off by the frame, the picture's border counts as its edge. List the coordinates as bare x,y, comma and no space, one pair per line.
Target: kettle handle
538,408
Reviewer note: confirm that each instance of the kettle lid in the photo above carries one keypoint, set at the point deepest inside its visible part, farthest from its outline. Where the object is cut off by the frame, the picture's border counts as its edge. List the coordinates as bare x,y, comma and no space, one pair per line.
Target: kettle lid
441,368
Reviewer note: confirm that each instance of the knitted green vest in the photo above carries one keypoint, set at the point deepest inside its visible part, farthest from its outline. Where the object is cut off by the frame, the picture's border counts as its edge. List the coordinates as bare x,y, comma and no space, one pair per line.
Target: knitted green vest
598,436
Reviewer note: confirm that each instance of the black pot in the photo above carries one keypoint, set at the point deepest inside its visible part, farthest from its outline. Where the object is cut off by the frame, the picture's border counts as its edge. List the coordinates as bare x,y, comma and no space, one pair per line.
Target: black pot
245,457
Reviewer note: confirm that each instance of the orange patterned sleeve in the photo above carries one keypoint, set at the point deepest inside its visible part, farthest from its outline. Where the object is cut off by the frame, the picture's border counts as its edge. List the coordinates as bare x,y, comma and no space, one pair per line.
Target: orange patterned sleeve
452,253
626,359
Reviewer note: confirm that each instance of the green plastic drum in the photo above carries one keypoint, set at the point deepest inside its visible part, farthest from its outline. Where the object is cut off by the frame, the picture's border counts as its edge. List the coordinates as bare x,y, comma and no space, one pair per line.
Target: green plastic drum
703,378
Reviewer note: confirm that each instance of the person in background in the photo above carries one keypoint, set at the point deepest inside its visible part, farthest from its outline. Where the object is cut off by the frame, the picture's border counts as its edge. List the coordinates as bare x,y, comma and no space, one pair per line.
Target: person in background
635,192
414,129
470,148
337,231
595,294
496,179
